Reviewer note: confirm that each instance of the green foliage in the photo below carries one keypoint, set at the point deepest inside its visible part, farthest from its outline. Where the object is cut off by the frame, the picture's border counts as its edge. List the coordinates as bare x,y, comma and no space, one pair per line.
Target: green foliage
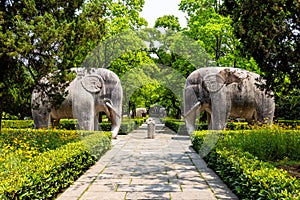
17,124
250,178
174,124
38,38
68,124
269,32
126,125
288,106
240,158
177,55
289,124
168,22
46,174
213,30
267,145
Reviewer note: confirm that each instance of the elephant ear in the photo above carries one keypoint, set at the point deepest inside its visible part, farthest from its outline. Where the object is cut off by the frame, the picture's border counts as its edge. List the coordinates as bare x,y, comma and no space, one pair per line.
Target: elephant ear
213,82
92,83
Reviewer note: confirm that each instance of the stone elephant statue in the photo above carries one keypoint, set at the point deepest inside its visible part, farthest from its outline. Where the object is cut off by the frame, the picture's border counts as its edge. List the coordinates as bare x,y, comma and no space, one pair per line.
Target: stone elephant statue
92,91
141,112
226,92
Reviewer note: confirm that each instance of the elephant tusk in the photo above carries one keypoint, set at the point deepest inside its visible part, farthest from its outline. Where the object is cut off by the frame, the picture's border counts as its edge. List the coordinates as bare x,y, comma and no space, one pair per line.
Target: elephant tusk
193,108
112,108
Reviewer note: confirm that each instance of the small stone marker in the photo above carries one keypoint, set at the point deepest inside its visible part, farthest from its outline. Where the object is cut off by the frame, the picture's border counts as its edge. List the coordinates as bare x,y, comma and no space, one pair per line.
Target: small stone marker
151,127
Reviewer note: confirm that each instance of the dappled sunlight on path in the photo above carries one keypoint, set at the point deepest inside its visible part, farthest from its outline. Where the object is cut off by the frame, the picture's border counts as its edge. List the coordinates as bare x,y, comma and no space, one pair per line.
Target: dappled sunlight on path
165,167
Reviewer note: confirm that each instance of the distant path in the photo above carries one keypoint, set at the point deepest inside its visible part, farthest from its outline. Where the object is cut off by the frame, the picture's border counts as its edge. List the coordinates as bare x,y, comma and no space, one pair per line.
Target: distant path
165,167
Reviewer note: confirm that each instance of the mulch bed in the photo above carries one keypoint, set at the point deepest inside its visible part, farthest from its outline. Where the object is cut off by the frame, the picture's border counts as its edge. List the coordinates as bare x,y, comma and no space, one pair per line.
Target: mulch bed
293,170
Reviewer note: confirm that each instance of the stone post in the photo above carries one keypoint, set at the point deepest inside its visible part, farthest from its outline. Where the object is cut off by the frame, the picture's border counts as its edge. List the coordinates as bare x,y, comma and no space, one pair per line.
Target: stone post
151,127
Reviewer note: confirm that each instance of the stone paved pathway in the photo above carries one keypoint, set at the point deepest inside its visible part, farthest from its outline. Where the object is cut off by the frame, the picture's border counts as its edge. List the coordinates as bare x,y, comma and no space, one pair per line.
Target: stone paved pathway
165,167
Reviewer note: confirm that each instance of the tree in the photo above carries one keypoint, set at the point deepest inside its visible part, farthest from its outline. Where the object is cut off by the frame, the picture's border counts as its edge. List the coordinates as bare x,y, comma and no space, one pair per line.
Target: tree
38,38
168,22
177,56
269,32
214,32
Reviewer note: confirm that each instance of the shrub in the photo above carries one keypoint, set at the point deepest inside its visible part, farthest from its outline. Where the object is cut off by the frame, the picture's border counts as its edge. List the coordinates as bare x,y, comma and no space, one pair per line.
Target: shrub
17,145
105,126
245,174
126,125
266,144
17,124
250,178
68,124
45,175
175,124
291,124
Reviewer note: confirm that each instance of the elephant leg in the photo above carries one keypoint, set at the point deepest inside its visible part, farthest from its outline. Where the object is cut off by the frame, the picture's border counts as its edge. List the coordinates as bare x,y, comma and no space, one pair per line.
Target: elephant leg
220,112
96,122
190,121
86,121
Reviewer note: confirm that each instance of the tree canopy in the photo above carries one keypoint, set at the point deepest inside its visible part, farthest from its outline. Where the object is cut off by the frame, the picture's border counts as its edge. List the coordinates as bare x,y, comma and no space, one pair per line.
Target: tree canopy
215,33
40,37
270,32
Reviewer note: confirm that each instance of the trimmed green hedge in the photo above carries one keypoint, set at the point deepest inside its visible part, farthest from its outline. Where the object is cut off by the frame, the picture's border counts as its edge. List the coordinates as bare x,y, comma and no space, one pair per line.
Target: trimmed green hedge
288,123
250,178
17,124
246,175
126,125
179,126
174,124
70,124
45,175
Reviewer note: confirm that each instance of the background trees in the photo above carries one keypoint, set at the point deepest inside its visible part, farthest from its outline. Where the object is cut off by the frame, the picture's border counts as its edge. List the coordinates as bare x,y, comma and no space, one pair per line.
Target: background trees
214,32
39,37
270,32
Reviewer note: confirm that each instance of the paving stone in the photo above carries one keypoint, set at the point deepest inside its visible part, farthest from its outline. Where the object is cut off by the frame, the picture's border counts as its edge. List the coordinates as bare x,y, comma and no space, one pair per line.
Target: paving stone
188,181
103,187
149,188
195,195
64,197
113,181
196,187
148,195
143,181
103,196
74,191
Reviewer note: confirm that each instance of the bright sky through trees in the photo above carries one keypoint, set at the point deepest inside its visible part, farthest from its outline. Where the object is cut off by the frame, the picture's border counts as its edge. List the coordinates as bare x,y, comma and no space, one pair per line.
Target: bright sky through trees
158,8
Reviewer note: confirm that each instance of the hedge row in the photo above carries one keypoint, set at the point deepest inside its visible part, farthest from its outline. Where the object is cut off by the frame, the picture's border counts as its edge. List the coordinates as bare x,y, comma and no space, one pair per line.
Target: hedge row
179,126
174,124
126,125
17,124
45,175
246,175
266,144
250,178
70,124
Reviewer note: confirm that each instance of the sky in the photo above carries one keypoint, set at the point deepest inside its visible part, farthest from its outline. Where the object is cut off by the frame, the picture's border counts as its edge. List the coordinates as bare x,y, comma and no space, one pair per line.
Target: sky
158,8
